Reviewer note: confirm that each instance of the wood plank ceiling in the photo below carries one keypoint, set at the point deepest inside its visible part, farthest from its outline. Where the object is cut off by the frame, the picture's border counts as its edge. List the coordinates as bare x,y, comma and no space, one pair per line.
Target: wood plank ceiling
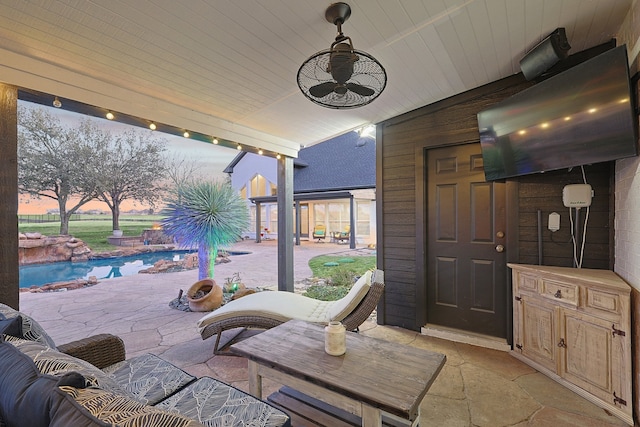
232,64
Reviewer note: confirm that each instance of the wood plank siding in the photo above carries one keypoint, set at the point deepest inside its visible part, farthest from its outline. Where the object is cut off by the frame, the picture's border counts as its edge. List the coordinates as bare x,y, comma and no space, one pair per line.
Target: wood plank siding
401,194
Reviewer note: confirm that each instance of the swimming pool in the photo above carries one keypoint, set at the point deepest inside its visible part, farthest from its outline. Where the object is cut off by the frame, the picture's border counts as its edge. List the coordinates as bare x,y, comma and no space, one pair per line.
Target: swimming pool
41,274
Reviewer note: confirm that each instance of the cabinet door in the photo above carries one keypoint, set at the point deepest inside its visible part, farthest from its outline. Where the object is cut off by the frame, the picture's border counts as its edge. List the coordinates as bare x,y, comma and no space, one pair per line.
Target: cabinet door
538,331
594,357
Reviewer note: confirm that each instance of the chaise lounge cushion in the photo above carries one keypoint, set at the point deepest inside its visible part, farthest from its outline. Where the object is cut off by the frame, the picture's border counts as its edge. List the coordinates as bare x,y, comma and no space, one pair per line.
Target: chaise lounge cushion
283,306
346,305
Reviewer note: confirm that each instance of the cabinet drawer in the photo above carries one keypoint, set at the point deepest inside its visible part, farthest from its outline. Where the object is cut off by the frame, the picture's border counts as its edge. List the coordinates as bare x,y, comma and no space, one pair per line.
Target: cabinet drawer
527,282
560,291
603,301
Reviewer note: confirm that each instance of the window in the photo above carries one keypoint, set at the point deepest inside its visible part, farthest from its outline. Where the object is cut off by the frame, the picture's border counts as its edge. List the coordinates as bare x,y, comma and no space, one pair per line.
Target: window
338,216
274,189
258,186
243,192
273,218
363,218
319,213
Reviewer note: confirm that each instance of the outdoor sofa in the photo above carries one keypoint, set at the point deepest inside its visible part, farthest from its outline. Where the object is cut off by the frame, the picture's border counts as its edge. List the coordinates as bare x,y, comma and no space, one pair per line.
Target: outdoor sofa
90,383
267,309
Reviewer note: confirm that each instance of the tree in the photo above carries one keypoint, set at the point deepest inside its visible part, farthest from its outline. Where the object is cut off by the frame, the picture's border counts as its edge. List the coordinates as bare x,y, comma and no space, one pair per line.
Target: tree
206,215
131,168
57,162
181,170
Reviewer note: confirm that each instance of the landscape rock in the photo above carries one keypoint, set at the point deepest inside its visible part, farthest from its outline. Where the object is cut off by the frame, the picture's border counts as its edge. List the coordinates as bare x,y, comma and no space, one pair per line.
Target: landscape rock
39,249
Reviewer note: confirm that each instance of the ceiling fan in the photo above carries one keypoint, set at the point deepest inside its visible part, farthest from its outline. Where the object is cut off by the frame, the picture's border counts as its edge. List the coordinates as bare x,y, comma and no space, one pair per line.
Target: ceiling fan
341,77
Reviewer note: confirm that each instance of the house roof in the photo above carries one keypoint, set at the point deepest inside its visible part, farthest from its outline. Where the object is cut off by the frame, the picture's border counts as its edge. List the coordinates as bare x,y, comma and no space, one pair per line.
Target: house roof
345,162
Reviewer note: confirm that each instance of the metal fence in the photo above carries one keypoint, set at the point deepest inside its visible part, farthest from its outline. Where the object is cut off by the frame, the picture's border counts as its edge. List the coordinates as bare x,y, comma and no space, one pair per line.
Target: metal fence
33,218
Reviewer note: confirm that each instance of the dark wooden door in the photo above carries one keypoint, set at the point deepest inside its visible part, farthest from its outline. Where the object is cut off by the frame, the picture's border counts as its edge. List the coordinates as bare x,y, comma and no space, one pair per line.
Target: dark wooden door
466,254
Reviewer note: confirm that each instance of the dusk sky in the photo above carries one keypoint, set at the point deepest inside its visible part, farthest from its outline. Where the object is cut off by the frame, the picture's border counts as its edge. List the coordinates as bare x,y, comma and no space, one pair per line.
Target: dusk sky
212,159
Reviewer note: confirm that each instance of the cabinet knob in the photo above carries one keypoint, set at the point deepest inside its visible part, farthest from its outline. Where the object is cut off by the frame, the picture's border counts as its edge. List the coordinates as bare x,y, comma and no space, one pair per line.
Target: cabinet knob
558,294
562,343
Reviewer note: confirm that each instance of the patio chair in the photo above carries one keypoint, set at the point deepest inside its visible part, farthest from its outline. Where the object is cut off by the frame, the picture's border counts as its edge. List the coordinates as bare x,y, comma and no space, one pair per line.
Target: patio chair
319,232
266,309
341,236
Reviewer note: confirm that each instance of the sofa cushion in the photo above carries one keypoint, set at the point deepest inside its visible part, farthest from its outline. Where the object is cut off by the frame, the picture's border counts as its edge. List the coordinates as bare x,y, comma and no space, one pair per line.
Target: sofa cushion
31,329
53,362
17,375
11,326
215,403
30,398
112,409
147,378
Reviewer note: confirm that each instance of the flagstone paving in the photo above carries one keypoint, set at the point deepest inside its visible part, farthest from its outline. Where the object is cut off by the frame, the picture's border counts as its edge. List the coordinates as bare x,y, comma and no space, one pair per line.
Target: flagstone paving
477,387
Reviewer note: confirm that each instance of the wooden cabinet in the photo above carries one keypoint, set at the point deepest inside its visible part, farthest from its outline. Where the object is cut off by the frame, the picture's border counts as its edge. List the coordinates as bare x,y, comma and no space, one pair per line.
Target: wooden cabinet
574,326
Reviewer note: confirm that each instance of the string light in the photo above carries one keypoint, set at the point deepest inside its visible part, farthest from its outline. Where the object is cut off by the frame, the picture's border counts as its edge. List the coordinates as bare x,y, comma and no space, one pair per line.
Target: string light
57,103
110,115
278,157
260,152
152,126
215,141
185,134
239,147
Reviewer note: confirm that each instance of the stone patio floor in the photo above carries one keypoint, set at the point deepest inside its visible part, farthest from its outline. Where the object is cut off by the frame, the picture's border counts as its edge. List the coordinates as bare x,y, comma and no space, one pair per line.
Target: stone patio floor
477,386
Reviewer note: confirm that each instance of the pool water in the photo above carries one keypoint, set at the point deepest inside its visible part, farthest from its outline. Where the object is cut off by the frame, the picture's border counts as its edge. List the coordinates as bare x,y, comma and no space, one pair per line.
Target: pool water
41,274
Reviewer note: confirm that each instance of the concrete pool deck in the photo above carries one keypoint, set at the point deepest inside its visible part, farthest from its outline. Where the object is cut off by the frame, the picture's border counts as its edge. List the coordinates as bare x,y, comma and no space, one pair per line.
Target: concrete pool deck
477,386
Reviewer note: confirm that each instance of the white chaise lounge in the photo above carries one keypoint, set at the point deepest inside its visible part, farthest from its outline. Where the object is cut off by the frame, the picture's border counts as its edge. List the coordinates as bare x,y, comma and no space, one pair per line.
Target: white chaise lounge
264,310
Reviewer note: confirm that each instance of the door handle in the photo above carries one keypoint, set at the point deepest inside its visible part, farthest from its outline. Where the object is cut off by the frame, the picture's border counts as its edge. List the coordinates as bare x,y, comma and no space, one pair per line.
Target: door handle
500,248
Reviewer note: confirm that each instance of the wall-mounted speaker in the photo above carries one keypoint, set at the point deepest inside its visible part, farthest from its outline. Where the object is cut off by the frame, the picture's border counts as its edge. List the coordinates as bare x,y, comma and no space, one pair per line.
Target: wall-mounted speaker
545,55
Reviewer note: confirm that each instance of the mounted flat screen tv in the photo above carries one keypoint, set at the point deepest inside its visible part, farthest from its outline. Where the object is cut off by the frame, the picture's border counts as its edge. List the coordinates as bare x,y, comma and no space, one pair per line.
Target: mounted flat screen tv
581,116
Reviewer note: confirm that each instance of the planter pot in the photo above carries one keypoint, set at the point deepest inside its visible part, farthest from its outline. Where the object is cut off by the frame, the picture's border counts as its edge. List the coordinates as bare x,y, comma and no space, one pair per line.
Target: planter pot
117,233
204,295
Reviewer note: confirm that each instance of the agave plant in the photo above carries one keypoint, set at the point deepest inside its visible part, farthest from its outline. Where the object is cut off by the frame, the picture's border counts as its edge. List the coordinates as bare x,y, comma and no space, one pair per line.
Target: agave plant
207,215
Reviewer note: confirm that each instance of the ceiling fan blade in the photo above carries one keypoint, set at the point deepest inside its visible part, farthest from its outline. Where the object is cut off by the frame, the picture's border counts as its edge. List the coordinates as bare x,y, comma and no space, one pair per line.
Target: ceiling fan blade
360,90
323,89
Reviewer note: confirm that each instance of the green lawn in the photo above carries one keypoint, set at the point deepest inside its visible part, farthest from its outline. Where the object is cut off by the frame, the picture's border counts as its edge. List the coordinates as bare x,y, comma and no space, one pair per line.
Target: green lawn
341,277
94,232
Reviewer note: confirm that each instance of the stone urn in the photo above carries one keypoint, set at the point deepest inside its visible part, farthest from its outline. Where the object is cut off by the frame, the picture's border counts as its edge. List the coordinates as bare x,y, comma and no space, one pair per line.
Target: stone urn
204,295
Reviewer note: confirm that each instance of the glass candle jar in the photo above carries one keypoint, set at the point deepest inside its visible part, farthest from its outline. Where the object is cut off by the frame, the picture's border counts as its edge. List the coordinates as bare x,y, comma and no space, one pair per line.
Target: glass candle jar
335,339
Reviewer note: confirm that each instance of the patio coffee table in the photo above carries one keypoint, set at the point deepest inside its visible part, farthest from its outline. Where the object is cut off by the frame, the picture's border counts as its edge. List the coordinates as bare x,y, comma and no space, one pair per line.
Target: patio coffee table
372,378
